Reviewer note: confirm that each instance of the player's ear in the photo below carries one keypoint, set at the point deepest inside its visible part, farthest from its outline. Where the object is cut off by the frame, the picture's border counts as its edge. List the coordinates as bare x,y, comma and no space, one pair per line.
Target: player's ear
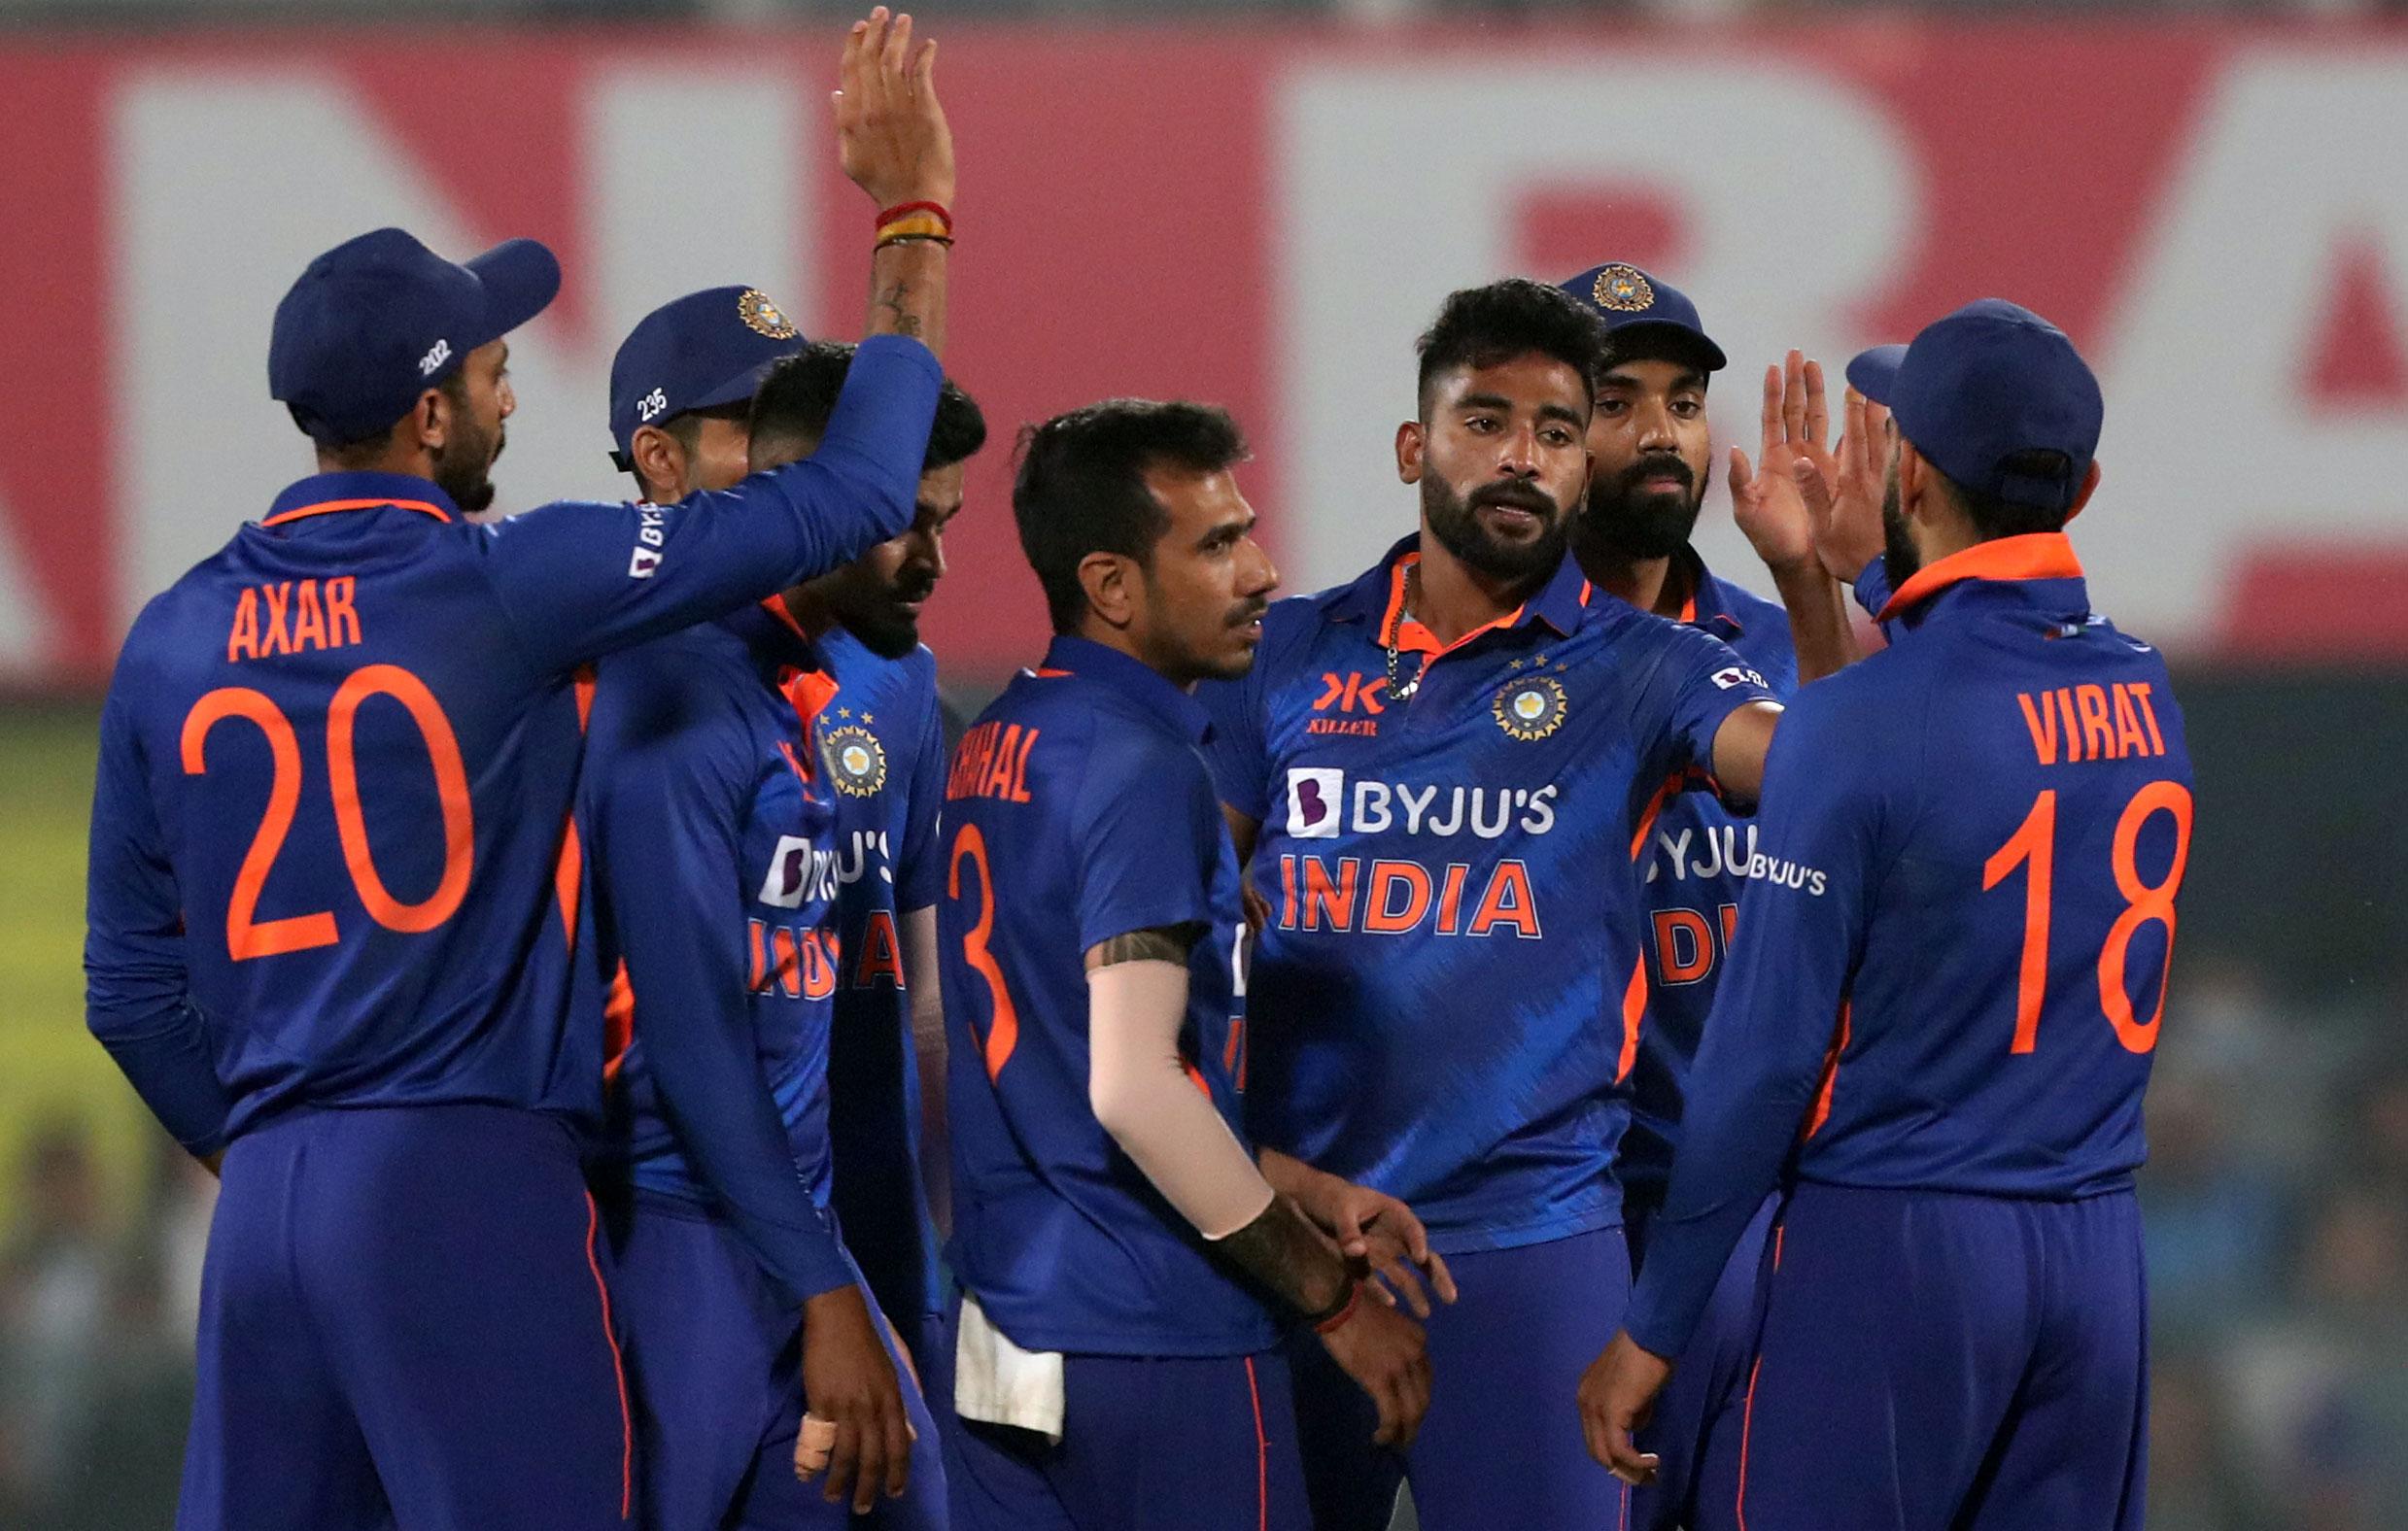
429,421
2089,487
660,460
1411,442
1108,579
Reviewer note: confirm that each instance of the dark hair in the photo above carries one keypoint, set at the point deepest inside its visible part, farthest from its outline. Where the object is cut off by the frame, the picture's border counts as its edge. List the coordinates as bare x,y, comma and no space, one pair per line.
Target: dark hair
795,401
1484,326
1994,517
1081,485
686,431
348,456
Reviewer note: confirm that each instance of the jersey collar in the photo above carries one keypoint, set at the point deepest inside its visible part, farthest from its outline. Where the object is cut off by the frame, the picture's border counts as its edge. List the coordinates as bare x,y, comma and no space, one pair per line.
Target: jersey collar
2037,556
1133,679
1379,593
325,493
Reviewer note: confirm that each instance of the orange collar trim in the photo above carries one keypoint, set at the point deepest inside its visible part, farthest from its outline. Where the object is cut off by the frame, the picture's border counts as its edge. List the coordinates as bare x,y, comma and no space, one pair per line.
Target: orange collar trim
2039,555
776,606
1409,635
327,507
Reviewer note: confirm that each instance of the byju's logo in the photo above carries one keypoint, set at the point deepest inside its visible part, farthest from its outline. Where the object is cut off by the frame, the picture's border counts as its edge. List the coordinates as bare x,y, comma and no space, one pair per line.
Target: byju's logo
1315,795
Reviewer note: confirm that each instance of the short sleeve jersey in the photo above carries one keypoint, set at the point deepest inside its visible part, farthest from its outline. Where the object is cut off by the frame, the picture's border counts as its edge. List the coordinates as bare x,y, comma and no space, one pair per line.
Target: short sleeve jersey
1693,861
882,752
1077,809
1447,992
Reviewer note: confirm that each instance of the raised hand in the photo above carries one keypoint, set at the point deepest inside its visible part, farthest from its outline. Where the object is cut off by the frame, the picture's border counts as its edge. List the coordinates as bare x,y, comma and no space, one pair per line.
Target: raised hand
1768,498
1845,503
890,132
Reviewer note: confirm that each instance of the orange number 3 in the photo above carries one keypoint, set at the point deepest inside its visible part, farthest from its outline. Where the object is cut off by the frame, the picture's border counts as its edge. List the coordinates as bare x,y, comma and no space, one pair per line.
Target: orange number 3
248,937
1003,1035
2033,845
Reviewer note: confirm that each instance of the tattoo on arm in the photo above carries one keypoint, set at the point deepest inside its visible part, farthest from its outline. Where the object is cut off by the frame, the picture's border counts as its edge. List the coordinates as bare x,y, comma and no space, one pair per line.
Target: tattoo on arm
1165,944
895,300
1284,1256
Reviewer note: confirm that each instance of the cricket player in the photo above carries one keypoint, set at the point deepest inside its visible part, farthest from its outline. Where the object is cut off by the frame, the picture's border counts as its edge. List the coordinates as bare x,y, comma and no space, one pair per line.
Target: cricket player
1125,1266
1651,458
1441,769
1946,987
335,913
885,762
711,807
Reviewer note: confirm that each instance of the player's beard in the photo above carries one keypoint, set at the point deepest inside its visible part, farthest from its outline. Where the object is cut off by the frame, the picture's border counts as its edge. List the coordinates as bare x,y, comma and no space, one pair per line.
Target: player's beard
1454,520
884,627
1622,524
1899,558
464,467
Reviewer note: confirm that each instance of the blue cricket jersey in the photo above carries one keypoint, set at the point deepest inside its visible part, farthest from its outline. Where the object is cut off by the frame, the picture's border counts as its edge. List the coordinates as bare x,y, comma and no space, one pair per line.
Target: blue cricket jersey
1951,956
883,751
331,860
715,877
1449,990
1693,863
1077,809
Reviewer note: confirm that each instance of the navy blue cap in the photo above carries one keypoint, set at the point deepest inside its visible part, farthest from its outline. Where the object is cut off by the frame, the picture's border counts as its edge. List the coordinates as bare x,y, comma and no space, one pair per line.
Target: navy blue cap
377,320
1636,306
698,351
1988,382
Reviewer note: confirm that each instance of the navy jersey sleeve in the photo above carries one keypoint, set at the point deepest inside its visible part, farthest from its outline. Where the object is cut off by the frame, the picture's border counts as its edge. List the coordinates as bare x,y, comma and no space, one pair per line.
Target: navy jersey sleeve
582,580
1238,750
136,996
1800,935
920,875
1149,836
1873,586
1698,681
669,777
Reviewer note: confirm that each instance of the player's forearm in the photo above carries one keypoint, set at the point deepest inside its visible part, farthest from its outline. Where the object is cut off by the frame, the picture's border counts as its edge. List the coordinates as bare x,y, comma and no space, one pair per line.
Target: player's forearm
1819,628
928,1046
1139,1090
907,292
1287,1256
164,1055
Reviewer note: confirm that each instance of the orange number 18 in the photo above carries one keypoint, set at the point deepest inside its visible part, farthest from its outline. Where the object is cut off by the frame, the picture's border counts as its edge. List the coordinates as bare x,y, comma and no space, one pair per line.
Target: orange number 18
2033,845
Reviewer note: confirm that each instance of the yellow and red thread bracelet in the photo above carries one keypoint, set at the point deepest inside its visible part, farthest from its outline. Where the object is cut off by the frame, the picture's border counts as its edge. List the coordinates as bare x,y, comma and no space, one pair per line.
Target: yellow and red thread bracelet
907,221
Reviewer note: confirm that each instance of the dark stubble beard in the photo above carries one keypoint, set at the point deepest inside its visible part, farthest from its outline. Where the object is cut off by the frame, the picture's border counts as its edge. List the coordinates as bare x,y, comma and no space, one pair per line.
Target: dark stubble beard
464,469
1899,558
1454,520
1622,524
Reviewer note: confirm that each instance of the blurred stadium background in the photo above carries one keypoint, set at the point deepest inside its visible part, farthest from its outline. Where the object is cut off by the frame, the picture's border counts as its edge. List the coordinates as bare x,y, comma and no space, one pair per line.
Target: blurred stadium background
1260,203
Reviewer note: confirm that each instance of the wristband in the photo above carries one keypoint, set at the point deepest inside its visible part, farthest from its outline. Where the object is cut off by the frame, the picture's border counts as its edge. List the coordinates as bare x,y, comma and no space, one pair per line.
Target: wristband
913,239
915,226
1331,1319
935,210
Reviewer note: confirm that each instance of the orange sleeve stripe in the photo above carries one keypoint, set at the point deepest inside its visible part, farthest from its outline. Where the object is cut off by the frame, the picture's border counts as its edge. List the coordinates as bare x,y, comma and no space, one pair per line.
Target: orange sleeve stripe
1634,1012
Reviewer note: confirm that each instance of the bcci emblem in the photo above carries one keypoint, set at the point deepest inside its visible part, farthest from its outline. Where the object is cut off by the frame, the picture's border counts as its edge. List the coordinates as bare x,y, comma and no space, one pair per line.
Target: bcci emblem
1529,710
1624,289
856,761
763,317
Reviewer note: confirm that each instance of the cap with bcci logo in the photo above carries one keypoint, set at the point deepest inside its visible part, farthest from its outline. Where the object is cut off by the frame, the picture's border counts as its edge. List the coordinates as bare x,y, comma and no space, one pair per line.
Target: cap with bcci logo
378,320
1989,384
702,351
1636,306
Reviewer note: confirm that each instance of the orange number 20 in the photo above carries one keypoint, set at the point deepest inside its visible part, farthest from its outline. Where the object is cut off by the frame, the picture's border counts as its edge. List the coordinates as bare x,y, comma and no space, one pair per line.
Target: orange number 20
1004,1034
2033,846
248,937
